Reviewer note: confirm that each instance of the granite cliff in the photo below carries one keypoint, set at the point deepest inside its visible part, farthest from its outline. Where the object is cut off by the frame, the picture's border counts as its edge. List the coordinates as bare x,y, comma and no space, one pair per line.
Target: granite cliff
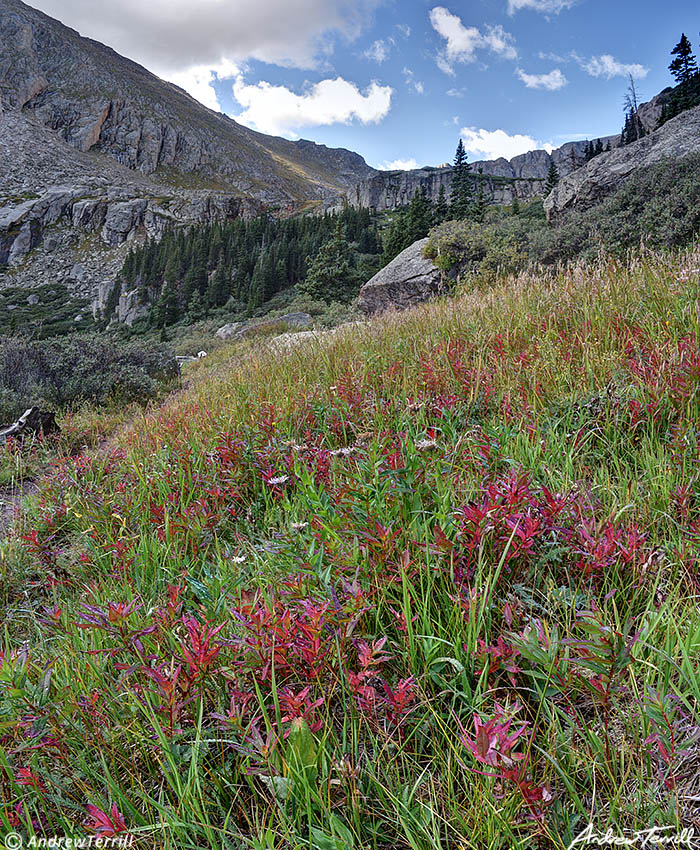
522,177
598,178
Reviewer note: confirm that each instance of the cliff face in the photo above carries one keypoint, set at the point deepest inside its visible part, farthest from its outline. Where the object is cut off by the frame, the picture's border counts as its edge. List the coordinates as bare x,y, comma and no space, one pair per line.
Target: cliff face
94,99
603,174
522,177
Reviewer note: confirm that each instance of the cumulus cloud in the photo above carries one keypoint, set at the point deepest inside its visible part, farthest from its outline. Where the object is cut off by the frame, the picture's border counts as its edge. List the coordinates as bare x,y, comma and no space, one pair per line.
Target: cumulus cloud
547,7
174,35
463,42
492,144
280,111
379,51
398,165
553,81
607,66
199,81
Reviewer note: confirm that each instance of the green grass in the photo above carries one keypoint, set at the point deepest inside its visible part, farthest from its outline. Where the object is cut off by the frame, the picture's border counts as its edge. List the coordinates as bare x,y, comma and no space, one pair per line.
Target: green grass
487,502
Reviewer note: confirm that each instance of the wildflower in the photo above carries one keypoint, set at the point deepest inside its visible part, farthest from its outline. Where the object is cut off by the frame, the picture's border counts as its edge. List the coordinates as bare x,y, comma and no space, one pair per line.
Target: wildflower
106,825
277,482
25,776
200,654
493,740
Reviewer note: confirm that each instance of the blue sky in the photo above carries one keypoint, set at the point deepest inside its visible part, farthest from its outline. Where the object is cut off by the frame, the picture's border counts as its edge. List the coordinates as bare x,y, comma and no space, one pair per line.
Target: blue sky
400,82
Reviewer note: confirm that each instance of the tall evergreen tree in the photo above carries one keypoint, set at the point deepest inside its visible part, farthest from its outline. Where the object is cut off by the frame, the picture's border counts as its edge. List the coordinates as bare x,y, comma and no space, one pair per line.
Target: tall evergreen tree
331,276
552,178
684,67
460,200
442,211
420,215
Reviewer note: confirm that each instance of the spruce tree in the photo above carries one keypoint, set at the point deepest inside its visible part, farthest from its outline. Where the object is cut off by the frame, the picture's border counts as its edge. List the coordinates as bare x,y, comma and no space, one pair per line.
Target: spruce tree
331,276
684,67
552,178
442,211
195,309
515,206
460,200
396,237
420,215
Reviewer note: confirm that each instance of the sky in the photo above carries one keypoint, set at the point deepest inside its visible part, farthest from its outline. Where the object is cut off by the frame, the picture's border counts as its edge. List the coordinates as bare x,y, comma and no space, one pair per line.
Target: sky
400,82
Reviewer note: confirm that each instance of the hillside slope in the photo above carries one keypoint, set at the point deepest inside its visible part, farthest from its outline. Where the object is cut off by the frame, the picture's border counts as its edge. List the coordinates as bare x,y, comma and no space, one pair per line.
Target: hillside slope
430,583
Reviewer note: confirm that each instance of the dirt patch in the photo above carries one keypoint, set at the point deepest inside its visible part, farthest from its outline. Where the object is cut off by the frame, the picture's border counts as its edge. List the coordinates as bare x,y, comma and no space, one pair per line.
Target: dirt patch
10,500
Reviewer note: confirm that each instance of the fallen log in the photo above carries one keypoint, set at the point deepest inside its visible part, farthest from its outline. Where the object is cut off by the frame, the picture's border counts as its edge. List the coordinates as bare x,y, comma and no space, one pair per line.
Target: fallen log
33,421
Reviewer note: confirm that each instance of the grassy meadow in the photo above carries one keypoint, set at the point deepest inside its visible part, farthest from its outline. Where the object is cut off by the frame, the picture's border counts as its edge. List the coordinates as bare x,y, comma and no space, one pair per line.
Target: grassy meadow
431,582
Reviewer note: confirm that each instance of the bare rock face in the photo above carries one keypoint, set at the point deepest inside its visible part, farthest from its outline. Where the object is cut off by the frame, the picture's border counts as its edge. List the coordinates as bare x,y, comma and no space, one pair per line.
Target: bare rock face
522,177
607,171
409,279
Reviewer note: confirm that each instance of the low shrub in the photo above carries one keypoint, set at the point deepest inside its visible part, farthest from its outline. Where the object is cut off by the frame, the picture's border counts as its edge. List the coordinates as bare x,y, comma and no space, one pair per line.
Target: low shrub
65,371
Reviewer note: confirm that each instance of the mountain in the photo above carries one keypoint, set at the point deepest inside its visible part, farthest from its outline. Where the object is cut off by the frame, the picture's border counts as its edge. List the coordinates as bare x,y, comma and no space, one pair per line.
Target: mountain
96,100
96,151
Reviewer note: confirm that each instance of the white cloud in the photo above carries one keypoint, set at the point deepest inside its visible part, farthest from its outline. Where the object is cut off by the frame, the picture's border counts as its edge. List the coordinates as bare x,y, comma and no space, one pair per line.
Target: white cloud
278,110
492,144
607,66
553,81
547,7
398,165
379,51
199,81
463,42
454,92
172,35
404,29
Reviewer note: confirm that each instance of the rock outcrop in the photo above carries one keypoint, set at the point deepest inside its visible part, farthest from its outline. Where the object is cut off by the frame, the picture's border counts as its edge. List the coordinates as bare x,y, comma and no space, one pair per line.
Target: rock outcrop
605,173
409,279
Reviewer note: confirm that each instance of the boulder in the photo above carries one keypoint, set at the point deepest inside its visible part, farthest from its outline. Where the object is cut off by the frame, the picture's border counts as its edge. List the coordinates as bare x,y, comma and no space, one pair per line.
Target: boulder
228,331
409,279
297,320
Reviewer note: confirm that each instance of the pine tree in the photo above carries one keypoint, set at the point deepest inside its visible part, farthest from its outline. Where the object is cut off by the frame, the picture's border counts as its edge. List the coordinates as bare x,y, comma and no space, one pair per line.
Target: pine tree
441,212
331,276
552,178
515,206
420,215
396,237
195,309
460,200
168,310
219,288
684,67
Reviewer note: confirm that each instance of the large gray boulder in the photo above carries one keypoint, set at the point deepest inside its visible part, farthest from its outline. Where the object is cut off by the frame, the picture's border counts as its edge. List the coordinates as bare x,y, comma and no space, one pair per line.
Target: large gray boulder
409,279
607,171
